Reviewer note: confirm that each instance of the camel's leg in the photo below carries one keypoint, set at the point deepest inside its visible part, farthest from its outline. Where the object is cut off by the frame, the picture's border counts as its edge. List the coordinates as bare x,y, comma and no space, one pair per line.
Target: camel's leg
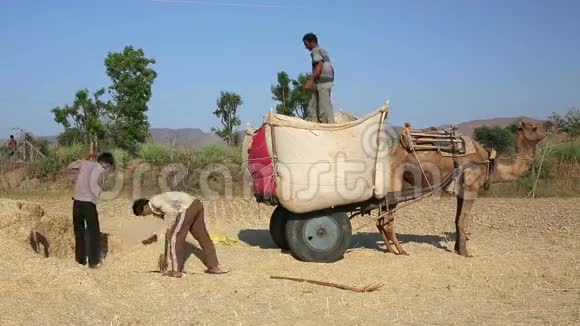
391,235
458,210
460,236
388,239
388,228
461,226
465,201
381,228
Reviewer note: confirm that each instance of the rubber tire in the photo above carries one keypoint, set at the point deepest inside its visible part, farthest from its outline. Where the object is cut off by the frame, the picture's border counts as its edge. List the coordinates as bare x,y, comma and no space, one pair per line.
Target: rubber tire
299,246
278,227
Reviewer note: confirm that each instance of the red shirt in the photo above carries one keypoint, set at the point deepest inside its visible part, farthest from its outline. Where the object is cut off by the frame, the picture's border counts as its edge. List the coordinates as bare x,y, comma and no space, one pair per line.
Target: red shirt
12,144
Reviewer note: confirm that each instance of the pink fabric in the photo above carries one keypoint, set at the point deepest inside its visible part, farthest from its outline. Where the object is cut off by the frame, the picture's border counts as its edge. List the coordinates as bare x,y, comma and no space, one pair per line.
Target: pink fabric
261,166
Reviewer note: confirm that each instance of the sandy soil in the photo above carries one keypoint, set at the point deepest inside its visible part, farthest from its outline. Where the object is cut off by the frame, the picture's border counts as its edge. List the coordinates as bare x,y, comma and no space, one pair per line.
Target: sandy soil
526,270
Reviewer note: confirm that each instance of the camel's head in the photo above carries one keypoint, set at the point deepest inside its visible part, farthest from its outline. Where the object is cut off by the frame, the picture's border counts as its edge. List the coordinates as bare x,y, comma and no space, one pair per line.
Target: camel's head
534,131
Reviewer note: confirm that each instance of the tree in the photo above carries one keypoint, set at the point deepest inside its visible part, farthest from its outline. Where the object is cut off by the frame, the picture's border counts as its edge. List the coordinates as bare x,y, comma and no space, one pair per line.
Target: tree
282,93
83,121
501,139
301,95
227,107
569,123
121,120
291,95
70,136
132,79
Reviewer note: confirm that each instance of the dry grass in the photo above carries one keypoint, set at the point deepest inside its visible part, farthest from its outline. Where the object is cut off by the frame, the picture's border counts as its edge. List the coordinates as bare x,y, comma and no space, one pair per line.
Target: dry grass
525,271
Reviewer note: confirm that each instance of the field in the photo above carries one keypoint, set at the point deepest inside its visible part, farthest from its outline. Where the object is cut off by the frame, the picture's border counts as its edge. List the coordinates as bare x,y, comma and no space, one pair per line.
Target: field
526,270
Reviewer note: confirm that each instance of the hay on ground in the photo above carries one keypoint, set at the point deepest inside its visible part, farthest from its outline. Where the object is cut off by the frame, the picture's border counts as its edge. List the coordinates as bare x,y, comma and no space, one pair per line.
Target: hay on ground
53,236
17,217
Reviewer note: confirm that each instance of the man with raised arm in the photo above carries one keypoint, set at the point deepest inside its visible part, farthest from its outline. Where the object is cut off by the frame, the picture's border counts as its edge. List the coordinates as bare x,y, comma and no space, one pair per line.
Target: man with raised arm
91,178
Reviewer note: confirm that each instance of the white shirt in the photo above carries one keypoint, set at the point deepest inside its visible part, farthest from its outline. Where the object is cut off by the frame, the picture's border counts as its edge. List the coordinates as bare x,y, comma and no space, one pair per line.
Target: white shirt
89,180
170,205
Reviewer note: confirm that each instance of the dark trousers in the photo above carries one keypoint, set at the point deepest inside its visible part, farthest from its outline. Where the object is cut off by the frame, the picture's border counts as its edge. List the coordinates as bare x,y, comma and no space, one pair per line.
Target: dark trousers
86,223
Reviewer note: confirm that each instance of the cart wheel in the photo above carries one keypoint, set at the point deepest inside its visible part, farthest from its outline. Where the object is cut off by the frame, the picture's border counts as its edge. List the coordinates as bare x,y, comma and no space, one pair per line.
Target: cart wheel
321,238
278,227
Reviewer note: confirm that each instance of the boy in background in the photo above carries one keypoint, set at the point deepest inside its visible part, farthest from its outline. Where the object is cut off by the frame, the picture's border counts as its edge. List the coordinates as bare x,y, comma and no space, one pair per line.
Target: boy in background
12,145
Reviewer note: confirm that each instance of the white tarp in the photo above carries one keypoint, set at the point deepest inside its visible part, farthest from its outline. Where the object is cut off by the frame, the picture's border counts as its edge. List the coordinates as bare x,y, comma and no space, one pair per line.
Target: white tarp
324,165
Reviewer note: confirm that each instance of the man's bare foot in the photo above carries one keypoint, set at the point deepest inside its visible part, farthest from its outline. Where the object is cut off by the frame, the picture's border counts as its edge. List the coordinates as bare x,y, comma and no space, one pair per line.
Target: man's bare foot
216,270
174,274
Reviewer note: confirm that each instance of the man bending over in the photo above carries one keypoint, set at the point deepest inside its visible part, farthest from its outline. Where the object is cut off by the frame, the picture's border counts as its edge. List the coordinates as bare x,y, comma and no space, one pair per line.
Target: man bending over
181,213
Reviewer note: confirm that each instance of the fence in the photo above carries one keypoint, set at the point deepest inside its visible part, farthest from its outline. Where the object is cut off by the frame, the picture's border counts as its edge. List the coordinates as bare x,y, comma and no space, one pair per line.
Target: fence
24,154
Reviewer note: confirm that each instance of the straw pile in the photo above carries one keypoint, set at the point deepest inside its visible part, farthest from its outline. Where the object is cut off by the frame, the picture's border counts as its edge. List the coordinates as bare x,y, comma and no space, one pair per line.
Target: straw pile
50,235
53,236
18,217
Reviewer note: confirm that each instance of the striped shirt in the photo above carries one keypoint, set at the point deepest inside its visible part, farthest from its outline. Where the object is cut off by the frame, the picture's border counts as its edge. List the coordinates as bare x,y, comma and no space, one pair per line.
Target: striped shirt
320,55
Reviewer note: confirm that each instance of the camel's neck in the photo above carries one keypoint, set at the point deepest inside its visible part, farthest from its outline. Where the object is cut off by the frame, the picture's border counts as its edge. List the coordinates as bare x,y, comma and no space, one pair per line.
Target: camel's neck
510,169
524,147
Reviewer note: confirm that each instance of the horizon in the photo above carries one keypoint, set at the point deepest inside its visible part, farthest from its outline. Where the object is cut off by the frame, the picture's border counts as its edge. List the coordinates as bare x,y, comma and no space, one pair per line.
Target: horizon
243,128
443,62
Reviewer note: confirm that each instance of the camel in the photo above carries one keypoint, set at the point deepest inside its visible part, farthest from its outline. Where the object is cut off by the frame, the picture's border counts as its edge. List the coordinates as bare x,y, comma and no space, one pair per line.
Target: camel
475,172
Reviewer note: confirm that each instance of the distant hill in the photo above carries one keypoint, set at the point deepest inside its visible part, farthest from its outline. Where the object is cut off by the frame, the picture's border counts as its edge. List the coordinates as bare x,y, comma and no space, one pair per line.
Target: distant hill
468,127
185,138
197,138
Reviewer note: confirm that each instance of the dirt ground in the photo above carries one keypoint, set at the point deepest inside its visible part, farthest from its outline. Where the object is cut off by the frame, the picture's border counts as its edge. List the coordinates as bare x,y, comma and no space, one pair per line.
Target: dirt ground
526,270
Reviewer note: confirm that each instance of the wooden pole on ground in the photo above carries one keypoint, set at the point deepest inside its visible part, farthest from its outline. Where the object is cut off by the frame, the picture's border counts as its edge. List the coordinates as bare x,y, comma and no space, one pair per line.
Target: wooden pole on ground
368,288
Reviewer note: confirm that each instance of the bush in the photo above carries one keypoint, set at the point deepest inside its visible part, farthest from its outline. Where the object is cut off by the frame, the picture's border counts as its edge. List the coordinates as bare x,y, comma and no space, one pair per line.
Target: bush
67,154
217,154
235,154
569,123
3,150
219,159
153,153
121,156
501,139
544,164
70,137
47,169
567,153
212,154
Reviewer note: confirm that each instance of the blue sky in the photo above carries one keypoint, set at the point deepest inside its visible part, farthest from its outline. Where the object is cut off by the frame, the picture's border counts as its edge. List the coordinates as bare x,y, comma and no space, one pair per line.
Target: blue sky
440,61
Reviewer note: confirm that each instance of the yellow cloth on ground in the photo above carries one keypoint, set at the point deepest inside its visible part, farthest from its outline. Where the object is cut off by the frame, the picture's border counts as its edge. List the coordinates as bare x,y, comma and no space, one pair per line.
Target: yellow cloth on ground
225,240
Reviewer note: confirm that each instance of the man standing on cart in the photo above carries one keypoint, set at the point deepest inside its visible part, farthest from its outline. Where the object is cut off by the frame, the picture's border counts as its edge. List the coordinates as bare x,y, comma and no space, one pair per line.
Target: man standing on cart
320,107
